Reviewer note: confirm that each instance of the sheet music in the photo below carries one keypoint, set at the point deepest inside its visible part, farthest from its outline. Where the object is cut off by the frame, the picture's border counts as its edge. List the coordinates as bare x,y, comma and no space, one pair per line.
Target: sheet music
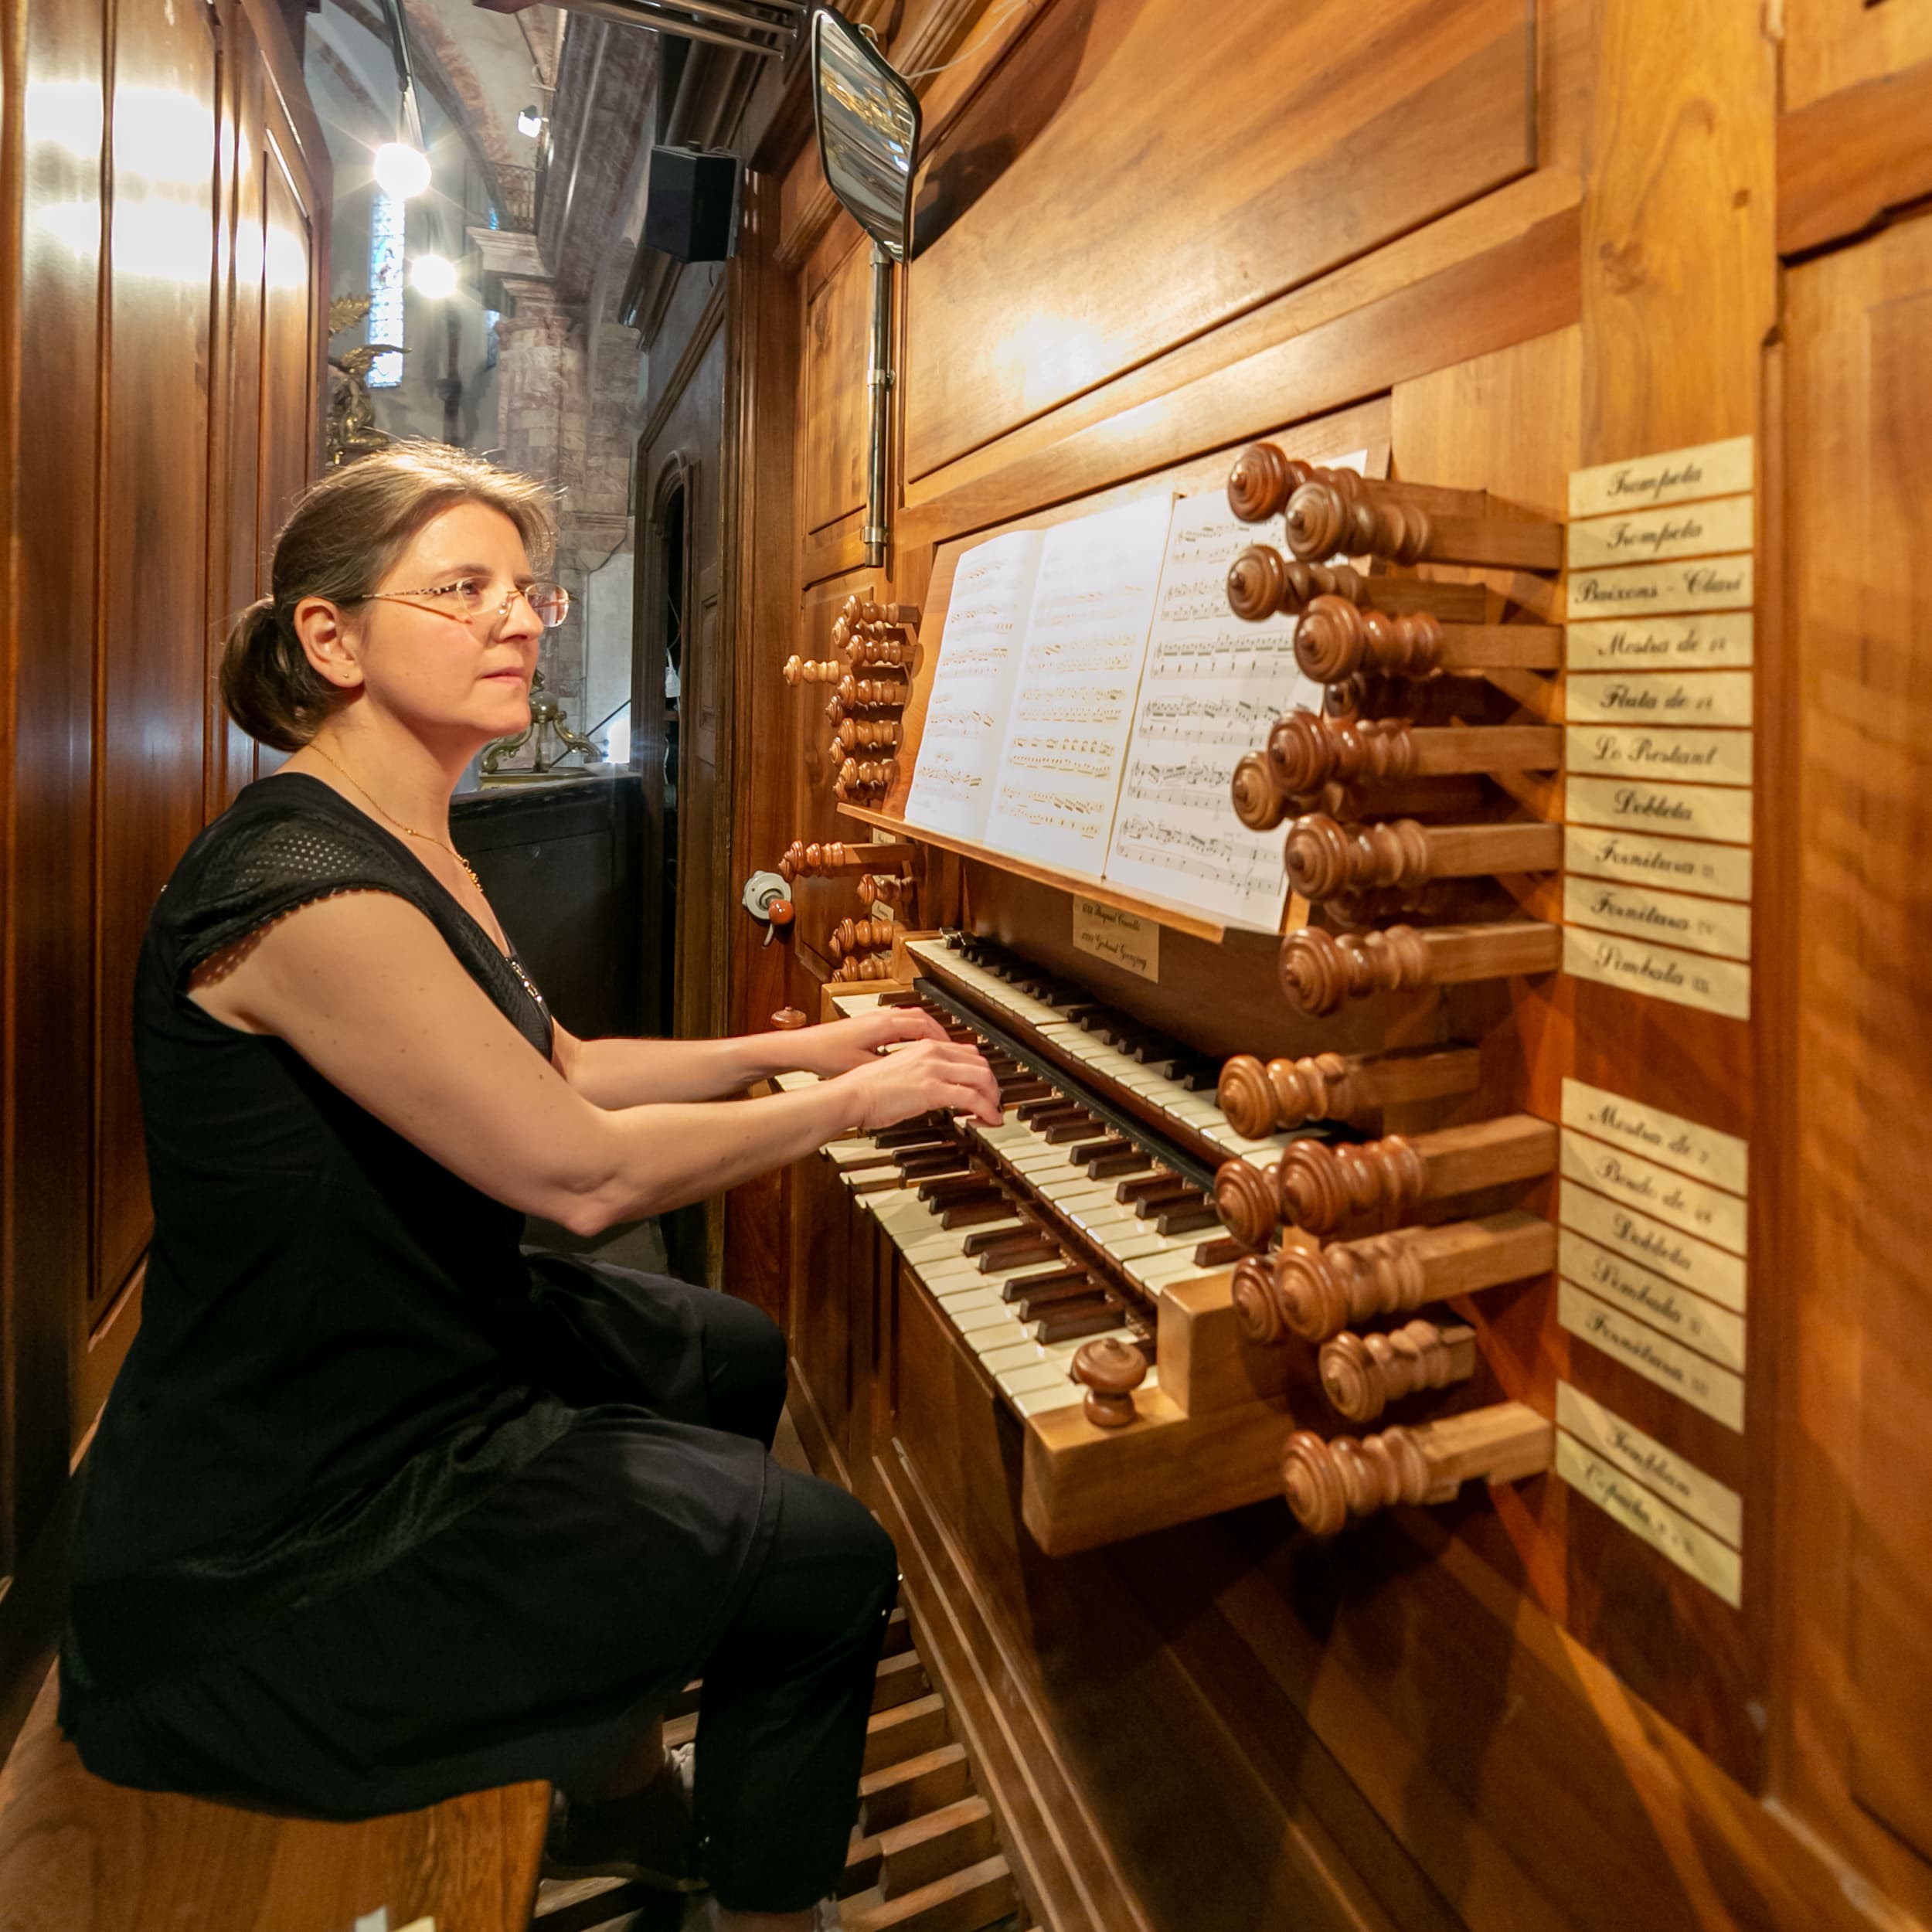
1212,686
1072,708
979,659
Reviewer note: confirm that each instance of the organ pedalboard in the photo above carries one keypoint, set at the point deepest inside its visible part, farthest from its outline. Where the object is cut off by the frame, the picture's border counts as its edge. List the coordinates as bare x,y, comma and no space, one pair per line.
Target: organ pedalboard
1187,1280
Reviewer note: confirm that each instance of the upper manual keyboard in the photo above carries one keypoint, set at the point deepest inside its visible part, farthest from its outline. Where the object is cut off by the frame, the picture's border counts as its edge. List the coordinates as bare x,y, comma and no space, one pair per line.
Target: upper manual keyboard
1108,1048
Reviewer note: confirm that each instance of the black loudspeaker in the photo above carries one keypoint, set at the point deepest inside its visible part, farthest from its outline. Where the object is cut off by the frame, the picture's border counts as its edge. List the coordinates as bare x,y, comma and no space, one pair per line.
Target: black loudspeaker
691,211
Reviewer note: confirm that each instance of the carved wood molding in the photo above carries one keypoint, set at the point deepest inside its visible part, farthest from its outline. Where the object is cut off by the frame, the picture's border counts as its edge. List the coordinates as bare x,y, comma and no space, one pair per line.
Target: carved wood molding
1527,284
1846,162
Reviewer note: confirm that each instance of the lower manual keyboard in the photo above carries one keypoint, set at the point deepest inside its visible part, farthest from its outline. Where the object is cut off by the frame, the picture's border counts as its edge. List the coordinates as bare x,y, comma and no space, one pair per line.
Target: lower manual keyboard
1059,1225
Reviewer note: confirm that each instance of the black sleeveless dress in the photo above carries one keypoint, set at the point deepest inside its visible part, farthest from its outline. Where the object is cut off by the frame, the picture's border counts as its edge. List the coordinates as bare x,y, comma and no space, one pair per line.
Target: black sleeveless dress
382,1508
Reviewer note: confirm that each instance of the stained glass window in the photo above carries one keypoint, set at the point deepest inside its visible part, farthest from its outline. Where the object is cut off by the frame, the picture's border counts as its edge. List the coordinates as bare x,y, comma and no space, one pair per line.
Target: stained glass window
385,287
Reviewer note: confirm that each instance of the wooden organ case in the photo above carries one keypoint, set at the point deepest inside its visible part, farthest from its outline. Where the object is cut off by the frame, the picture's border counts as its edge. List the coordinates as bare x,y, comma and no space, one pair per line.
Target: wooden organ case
1413,1420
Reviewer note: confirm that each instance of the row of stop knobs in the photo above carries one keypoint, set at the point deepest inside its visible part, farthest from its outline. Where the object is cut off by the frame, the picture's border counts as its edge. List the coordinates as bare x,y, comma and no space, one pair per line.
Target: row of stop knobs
1318,772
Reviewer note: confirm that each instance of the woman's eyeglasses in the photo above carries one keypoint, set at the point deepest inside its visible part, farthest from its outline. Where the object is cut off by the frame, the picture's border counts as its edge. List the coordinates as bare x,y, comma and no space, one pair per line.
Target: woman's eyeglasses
466,599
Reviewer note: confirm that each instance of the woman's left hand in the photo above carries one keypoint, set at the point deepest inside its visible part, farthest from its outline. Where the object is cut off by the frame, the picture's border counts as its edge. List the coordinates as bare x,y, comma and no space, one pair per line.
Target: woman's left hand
836,1046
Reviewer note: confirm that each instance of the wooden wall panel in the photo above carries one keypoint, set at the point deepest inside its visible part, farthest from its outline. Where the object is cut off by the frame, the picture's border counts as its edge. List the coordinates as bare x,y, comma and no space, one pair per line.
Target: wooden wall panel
1097,214
135,248
235,414
1830,44
1857,1469
289,352
154,608
46,663
1679,221
838,340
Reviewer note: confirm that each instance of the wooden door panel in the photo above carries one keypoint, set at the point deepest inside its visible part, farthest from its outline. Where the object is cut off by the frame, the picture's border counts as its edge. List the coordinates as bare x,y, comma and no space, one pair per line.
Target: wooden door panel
1195,163
46,1231
289,352
1861,461
152,711
838,339
242,569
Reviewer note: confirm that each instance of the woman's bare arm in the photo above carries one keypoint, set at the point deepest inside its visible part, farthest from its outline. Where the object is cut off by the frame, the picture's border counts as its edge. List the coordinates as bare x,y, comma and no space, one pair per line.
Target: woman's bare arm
365,989
628,1073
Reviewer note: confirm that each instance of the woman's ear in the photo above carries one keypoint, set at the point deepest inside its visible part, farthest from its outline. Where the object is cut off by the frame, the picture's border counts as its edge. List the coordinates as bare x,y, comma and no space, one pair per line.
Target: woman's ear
327,642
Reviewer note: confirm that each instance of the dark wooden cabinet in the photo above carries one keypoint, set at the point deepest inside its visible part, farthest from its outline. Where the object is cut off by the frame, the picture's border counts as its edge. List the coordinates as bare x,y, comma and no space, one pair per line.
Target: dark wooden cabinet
560,864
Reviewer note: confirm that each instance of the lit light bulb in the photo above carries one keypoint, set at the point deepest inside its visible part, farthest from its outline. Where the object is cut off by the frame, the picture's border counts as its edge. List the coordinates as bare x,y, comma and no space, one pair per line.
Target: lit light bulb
433,276
401,170
529,122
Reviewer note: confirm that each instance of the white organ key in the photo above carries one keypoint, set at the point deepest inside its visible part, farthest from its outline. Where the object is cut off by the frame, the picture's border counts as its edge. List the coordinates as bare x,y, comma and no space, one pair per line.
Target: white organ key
1033,1354
1029,1380
972,1320
1043,1401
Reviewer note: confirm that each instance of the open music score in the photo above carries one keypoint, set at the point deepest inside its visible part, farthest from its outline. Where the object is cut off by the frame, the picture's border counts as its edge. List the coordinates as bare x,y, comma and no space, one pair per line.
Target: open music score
1073,705
973,687
1093,691
1213,684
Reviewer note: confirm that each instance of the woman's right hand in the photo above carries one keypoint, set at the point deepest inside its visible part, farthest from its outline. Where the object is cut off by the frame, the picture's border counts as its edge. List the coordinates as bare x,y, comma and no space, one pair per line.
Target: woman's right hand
924,1077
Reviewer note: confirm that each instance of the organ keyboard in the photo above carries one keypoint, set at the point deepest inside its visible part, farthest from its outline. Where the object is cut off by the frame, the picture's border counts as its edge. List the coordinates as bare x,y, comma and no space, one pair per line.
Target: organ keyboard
1170,1087
1064,1223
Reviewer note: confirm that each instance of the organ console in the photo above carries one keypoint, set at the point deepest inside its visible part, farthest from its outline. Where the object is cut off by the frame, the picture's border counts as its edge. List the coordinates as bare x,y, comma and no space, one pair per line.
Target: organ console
1398,1018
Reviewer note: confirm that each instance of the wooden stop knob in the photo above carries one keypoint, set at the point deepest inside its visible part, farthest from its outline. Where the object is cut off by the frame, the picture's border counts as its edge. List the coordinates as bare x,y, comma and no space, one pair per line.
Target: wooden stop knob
1245,1197
788,1019
1111,1372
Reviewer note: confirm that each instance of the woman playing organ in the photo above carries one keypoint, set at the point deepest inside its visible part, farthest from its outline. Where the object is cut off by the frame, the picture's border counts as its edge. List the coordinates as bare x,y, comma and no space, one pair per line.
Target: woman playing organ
384,1509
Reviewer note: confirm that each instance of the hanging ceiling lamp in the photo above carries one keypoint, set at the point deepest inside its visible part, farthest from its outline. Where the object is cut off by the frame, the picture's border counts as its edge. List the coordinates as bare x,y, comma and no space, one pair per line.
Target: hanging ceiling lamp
403,165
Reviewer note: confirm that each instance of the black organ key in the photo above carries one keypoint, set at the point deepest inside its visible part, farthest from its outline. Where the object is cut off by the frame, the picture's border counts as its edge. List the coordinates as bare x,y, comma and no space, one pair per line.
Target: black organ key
970,1214
1172,1197
1019,1249
1049,1301
988,1238
1069,1324
1183,1219
1023,1285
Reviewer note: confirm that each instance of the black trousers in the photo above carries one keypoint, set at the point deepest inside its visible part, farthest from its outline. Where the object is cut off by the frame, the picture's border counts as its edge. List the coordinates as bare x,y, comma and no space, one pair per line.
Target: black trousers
535,1637
787,1692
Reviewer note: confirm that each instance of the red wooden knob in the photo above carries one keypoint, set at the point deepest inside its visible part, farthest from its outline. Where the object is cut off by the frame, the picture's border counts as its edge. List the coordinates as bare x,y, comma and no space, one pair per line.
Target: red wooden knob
1111,1372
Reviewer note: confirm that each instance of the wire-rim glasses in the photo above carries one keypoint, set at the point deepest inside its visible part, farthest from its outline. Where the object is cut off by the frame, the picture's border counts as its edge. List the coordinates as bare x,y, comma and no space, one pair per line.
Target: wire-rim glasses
466,600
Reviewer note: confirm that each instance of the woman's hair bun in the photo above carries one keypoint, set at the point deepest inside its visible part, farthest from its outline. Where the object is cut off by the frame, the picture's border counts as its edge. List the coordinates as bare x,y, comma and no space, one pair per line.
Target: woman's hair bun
270,687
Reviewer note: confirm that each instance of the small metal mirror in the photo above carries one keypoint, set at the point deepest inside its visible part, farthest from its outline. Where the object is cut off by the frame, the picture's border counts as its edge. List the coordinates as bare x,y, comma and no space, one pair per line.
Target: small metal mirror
868,130
868,122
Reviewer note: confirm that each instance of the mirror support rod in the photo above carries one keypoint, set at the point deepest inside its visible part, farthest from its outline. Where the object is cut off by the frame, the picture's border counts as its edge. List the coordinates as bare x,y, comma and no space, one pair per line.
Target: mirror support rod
658,16
879,378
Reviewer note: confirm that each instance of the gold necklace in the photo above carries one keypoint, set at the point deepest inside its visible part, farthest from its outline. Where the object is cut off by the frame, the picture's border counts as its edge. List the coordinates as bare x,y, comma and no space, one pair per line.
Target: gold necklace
428,838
